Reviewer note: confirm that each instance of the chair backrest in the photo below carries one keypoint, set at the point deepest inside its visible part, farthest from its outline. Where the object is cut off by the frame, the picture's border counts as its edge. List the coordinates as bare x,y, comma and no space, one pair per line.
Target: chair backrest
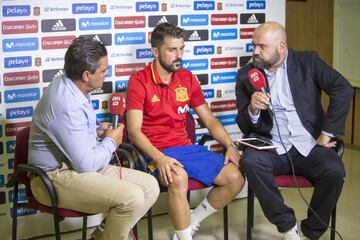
21,156
190,127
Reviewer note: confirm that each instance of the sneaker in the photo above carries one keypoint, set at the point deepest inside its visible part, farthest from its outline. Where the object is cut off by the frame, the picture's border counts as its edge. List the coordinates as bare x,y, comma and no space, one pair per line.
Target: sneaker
194,228
292,234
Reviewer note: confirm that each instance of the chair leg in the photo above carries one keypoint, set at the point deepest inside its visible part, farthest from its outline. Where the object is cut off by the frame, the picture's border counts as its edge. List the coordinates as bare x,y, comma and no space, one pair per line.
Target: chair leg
56,224
333,224
250,213
84,228
149,224
14,212
226,225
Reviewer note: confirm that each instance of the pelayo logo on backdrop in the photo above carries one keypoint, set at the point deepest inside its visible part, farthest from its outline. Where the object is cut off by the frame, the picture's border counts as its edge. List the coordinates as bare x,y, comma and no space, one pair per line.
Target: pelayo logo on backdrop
147,6
251,4
84,8
16,11
18,62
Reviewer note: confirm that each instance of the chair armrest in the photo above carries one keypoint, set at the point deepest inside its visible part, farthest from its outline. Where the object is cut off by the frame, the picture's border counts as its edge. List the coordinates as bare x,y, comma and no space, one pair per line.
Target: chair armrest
140,163
125,156
25,168
204,138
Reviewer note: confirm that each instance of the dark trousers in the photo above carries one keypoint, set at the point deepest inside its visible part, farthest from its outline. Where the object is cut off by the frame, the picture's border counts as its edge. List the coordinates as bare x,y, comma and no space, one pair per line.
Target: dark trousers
322,167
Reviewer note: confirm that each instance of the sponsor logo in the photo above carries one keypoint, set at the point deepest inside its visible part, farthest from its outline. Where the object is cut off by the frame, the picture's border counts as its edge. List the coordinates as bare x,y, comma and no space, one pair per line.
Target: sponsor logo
229,62
129,22
56,9
105,39
103,117
121,54
199,124
179,5
144,53
147,6
229,92
195,64
109,72
222,106
252,18
56,42
106,88
121,86
194,20
251,4
10,163
17,62
208,93
121,7
23,211
18,10
95,23
95,104
21,112
224,34
50,74
203,79
10,146
234,5
128,69
224,77
19,27
227,119
58,25
54,59
224,19
246,33
204,5
155,99
196,35
20,44
236,50
21,195
129,38
11,129
84,8
155,20
182,110
244,60
19,78
2,180
22,95
249,47
2,197
204,50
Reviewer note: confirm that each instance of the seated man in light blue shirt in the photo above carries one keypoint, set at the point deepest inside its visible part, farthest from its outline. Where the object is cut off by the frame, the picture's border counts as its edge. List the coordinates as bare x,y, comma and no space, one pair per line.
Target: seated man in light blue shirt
65,142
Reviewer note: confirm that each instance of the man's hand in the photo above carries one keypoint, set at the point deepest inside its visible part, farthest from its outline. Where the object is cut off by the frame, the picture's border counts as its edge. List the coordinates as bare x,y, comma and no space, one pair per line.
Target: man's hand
101,130
232,155
325,140
166,165
115,134
259,101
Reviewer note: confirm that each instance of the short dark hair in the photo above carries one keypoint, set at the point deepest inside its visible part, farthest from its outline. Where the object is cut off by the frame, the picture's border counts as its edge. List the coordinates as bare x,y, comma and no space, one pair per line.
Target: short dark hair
83,55
165,30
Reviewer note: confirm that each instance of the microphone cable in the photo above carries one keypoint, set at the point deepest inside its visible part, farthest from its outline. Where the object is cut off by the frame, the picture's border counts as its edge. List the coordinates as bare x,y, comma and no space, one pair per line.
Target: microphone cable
296,183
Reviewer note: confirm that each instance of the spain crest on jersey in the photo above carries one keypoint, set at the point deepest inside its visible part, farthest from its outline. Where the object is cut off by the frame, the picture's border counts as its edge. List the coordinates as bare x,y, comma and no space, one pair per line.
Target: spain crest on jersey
181,94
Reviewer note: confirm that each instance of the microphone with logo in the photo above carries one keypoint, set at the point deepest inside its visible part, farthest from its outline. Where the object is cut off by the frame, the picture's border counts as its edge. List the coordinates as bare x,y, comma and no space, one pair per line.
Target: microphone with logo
117,108
258,81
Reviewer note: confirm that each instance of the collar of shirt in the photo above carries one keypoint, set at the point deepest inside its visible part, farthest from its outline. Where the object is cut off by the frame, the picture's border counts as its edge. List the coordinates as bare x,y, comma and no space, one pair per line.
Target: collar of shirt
283,67
156,77
76,91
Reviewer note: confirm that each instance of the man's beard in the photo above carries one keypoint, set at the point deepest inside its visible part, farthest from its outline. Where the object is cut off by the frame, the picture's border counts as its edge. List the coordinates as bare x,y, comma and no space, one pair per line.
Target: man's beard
265,64
170,67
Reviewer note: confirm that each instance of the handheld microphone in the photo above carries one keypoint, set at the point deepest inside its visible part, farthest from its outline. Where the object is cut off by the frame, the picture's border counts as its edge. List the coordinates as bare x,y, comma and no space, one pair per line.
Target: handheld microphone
258,81
117,108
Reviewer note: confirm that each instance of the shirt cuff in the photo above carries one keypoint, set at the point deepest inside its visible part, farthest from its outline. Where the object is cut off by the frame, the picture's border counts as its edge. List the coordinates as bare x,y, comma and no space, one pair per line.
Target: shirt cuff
254,118
328,134
110,143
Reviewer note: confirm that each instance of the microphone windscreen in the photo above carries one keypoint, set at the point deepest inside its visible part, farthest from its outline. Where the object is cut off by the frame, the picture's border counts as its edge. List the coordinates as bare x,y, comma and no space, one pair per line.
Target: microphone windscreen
257,79
117,104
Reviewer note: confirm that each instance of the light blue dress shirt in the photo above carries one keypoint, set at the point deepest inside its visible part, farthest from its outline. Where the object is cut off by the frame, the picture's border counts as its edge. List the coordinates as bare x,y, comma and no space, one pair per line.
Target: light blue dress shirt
63,129
292,131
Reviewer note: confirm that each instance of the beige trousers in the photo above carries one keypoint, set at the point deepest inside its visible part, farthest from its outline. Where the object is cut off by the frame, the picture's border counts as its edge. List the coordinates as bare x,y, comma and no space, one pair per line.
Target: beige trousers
124,200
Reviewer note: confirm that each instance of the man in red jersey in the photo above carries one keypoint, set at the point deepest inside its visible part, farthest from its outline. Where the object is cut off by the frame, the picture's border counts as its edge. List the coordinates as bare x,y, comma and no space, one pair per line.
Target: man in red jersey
158,99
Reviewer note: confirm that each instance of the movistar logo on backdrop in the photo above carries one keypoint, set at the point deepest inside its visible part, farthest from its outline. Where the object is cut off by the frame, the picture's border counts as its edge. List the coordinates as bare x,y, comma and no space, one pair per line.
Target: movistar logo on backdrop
195,64
224,34
194,20
94,23
129,38
224,77
21,95
20,44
